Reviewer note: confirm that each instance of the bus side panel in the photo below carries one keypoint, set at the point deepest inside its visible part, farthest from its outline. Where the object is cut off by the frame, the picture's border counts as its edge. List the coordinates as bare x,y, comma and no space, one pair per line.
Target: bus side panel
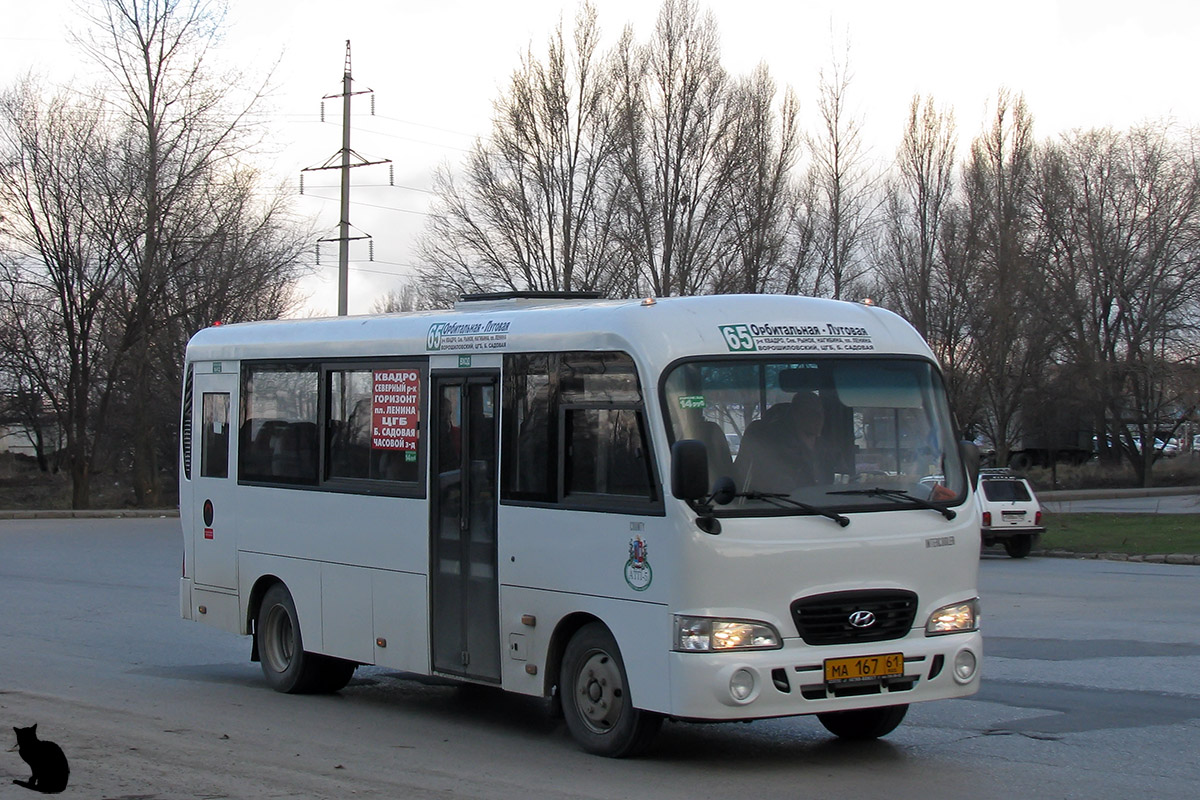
217,608
388,533
346,596
642,631
401,621
303,581
362,607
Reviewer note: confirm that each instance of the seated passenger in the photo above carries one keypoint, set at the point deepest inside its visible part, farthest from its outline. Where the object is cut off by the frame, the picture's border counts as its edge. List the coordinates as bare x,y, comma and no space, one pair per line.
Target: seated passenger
782,451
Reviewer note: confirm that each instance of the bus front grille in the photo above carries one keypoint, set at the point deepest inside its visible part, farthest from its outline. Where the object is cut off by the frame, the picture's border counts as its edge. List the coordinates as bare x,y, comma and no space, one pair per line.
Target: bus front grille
874,615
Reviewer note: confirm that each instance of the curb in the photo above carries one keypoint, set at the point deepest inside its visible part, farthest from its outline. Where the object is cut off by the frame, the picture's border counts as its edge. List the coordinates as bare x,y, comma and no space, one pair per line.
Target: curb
1158,558
92,513
1062,495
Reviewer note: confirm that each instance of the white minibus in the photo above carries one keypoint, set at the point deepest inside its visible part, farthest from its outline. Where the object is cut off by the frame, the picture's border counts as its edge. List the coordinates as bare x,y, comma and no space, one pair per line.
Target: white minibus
705,508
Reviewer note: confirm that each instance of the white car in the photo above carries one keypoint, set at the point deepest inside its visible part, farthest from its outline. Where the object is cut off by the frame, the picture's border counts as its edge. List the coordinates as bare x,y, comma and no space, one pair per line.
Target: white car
1011,514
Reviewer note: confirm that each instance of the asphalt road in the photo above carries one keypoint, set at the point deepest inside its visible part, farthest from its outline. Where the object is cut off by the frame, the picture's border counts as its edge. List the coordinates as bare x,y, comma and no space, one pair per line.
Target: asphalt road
1090,692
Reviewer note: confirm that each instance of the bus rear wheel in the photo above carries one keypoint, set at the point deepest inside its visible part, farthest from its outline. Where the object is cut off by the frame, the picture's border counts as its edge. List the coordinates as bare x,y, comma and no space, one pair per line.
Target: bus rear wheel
595,697
863,723
285,664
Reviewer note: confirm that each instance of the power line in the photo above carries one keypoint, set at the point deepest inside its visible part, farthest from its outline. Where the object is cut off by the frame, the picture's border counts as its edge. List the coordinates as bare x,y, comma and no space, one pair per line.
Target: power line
357,268
375,205
309,187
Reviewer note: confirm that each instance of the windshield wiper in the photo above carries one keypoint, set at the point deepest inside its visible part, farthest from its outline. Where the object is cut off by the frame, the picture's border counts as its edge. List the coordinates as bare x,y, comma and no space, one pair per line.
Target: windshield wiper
900,494
783,501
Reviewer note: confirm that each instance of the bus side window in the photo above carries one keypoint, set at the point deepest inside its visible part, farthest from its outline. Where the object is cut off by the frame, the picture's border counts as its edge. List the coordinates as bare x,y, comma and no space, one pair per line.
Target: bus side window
214,436
574,430
605,453
530,435
279,442
373,423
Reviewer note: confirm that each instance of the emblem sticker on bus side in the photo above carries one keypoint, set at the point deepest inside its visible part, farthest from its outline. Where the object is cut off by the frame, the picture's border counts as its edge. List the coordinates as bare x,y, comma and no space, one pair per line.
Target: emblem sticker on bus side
637,569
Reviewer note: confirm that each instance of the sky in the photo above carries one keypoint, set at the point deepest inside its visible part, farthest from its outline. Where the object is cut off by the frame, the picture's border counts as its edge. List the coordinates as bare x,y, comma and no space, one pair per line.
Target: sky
436,67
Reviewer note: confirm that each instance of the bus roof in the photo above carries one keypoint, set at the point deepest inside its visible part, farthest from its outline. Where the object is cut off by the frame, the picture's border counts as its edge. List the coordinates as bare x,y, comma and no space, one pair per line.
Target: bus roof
656,331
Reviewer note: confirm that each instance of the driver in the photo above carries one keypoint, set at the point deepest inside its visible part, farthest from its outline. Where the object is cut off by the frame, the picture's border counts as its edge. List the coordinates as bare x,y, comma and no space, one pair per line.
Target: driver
782,451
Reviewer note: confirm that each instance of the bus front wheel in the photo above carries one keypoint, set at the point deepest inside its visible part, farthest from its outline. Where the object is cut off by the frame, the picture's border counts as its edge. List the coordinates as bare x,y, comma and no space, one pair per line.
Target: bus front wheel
595,697
285,664
863,723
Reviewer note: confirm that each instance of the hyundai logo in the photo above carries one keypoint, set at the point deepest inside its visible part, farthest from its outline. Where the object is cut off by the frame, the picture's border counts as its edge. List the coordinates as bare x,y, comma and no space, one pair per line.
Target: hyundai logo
862,619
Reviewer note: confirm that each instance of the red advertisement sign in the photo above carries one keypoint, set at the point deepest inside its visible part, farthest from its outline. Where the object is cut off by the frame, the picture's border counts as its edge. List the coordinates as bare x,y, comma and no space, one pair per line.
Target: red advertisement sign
394,419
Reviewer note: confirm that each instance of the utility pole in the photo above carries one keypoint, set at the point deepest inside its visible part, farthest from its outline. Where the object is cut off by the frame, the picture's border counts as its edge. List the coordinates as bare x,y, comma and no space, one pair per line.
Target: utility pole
344,160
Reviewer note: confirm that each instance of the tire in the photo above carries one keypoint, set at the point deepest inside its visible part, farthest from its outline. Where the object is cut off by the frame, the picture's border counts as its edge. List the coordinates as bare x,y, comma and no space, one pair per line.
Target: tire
1020,461
865,723
285,664
595,699
1019,546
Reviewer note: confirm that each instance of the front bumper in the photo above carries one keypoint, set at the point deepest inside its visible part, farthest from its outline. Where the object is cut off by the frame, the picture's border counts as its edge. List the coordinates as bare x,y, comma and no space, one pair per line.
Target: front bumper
790,681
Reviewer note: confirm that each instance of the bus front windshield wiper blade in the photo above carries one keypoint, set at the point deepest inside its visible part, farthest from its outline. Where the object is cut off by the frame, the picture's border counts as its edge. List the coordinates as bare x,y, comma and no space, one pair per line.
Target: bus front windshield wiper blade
783,501
901,495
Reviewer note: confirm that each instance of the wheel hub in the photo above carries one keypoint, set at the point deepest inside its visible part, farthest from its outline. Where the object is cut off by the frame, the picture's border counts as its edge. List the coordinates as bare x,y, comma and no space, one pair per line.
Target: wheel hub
598,687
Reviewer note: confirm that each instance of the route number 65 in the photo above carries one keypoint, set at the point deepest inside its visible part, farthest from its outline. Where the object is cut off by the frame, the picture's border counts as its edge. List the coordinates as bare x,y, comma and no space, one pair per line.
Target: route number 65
738,337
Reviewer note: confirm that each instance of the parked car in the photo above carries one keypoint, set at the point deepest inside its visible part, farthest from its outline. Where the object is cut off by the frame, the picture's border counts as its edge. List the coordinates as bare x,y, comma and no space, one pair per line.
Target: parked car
1010,512
1168,449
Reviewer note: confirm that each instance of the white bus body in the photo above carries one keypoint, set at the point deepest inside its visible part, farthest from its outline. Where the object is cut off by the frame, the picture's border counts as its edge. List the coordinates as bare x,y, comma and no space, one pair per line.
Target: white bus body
487,494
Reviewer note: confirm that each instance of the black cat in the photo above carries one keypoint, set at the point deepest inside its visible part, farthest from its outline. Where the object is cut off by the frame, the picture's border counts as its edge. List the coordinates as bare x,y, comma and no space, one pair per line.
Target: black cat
46,759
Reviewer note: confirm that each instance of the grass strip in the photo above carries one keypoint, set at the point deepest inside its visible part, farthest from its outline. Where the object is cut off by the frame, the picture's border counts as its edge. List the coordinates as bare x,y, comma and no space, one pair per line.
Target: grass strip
1134,534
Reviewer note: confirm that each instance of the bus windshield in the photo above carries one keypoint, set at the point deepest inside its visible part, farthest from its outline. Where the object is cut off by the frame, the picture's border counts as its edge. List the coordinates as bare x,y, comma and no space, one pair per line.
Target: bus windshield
825,432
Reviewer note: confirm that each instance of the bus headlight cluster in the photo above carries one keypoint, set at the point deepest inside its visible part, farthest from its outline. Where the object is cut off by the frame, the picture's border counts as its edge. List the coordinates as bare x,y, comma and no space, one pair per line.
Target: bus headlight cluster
709,634
955,618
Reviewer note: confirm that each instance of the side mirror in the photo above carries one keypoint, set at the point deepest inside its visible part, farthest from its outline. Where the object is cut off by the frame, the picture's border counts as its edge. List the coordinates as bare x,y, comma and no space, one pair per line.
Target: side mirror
689,469
970,456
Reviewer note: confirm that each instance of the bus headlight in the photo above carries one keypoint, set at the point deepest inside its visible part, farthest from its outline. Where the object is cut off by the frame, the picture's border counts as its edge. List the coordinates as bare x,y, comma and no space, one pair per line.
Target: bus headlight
956,618
709,634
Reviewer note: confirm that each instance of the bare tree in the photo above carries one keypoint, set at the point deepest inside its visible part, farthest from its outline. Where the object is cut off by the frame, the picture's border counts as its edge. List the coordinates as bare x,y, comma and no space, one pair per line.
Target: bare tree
678,156
133,217
406,298
918,198
844,189
1122,223
760,200
186,133
1011,336
531,211
59,218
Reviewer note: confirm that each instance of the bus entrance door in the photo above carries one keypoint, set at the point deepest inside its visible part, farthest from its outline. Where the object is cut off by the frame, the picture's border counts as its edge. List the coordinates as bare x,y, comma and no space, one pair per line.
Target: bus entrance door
465,611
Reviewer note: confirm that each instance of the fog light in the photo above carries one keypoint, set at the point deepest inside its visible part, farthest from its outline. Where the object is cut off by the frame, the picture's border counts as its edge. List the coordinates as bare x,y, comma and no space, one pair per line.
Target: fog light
741,685
964,666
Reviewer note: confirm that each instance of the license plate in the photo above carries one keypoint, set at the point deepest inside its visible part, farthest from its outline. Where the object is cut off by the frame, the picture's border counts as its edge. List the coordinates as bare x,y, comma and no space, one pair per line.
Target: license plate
1012,514
864,668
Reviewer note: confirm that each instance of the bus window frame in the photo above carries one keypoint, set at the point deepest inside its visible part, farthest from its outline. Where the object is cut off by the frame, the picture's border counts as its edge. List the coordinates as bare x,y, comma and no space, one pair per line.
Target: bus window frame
324,367
764,358
650,505
603,501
